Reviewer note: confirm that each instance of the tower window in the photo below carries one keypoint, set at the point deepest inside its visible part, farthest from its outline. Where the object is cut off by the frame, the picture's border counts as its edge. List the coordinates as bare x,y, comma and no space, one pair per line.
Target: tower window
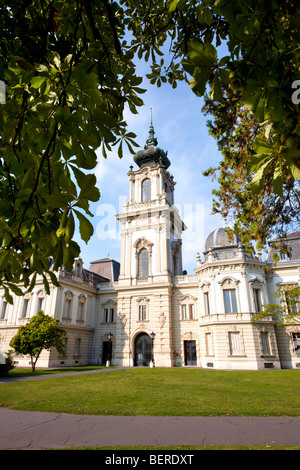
146,190
143,266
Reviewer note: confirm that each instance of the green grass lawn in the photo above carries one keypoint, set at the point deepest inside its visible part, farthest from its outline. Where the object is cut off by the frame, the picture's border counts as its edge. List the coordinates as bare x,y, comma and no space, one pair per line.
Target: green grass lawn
27,372
160,392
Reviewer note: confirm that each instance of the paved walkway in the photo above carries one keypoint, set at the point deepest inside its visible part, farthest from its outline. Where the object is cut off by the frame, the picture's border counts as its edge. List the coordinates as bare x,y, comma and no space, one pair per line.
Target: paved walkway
39,430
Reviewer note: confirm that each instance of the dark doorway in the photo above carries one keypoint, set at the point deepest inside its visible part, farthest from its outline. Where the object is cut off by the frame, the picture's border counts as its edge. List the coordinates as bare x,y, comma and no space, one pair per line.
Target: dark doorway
106,351
190,355
142,350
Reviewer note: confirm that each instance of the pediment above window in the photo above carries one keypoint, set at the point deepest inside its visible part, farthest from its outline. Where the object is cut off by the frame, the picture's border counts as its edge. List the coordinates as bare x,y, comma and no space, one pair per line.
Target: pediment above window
187,299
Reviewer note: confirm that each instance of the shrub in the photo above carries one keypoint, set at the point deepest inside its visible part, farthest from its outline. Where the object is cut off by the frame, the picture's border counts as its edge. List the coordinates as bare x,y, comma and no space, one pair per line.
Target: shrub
8,365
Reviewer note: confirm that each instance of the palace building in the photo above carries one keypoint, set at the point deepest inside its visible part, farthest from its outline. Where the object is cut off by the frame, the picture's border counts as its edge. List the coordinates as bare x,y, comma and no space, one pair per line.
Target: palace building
145,311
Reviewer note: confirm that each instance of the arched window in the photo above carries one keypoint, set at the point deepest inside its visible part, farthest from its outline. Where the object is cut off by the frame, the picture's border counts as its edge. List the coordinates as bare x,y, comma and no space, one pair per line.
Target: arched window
143,265
146,190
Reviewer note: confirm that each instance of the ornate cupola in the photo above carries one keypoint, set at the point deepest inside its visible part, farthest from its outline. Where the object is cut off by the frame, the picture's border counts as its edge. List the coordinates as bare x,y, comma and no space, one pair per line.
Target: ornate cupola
151,155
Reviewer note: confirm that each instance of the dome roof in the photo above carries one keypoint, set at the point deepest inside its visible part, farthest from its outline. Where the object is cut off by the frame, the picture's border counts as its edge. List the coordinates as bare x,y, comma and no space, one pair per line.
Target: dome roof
219,239
151,153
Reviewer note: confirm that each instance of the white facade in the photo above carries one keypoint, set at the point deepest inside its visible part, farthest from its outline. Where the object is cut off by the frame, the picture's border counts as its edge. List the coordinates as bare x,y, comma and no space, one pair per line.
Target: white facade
203,320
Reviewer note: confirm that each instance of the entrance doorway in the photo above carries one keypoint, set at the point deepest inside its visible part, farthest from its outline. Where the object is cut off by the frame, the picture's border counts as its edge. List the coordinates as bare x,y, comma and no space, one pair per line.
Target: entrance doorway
142,350
106,351
190,355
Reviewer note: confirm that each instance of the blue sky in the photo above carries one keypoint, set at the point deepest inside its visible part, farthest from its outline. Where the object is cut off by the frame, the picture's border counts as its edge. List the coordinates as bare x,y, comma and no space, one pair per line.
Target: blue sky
180,128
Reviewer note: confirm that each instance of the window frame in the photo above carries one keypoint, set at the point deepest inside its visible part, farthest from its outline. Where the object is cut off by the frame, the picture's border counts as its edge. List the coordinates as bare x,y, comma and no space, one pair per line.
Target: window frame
230,284
142,312
25,312
234,332
143,264
68,305
188,308
231,302
209,345
109,311
265,343
4,306
143,309
146,190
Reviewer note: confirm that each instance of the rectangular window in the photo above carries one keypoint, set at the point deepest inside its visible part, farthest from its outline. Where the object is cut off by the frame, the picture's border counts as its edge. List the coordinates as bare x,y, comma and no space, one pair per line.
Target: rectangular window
40,304
235,343
77,347
183,312
257,303
68,308
106,315
142,312
65,342
146,190
112,315
81,310
296,343
265,341
143,263
291,303
109,315
230,300
3,310
25,307
191,311
206,303
209,345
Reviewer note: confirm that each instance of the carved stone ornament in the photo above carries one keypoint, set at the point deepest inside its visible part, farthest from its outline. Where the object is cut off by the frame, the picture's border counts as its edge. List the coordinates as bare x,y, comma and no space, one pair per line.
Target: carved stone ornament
162,319
143,243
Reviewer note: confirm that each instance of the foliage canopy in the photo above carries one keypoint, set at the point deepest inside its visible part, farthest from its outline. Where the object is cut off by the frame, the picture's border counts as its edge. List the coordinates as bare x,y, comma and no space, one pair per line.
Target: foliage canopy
69,72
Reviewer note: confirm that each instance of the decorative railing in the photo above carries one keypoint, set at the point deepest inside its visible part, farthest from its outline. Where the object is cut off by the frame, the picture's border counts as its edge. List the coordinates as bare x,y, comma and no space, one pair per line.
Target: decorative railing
185,278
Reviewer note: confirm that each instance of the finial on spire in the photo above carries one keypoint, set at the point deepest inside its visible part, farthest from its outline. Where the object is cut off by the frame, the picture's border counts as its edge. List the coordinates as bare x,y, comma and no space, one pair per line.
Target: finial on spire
151,139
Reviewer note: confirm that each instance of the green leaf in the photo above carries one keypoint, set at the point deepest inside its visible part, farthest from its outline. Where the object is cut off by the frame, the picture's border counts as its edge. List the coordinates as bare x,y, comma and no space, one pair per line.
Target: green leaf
8,296
88,189
277,182
295,171
32,283
256,160
263,146
216,89
85,227
15,289
36,82
46,284
204,55
258,179
172,5
205,15
53,279
70,227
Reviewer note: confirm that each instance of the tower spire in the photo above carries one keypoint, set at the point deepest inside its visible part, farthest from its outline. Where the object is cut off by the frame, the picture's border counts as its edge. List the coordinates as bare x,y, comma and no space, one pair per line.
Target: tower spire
151,139
151,152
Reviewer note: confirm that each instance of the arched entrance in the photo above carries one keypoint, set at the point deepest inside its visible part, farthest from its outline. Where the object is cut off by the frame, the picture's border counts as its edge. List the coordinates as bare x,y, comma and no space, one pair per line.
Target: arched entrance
142,350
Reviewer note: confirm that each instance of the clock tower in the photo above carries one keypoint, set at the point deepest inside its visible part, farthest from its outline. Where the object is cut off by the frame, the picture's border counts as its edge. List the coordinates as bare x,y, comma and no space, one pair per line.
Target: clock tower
151,255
